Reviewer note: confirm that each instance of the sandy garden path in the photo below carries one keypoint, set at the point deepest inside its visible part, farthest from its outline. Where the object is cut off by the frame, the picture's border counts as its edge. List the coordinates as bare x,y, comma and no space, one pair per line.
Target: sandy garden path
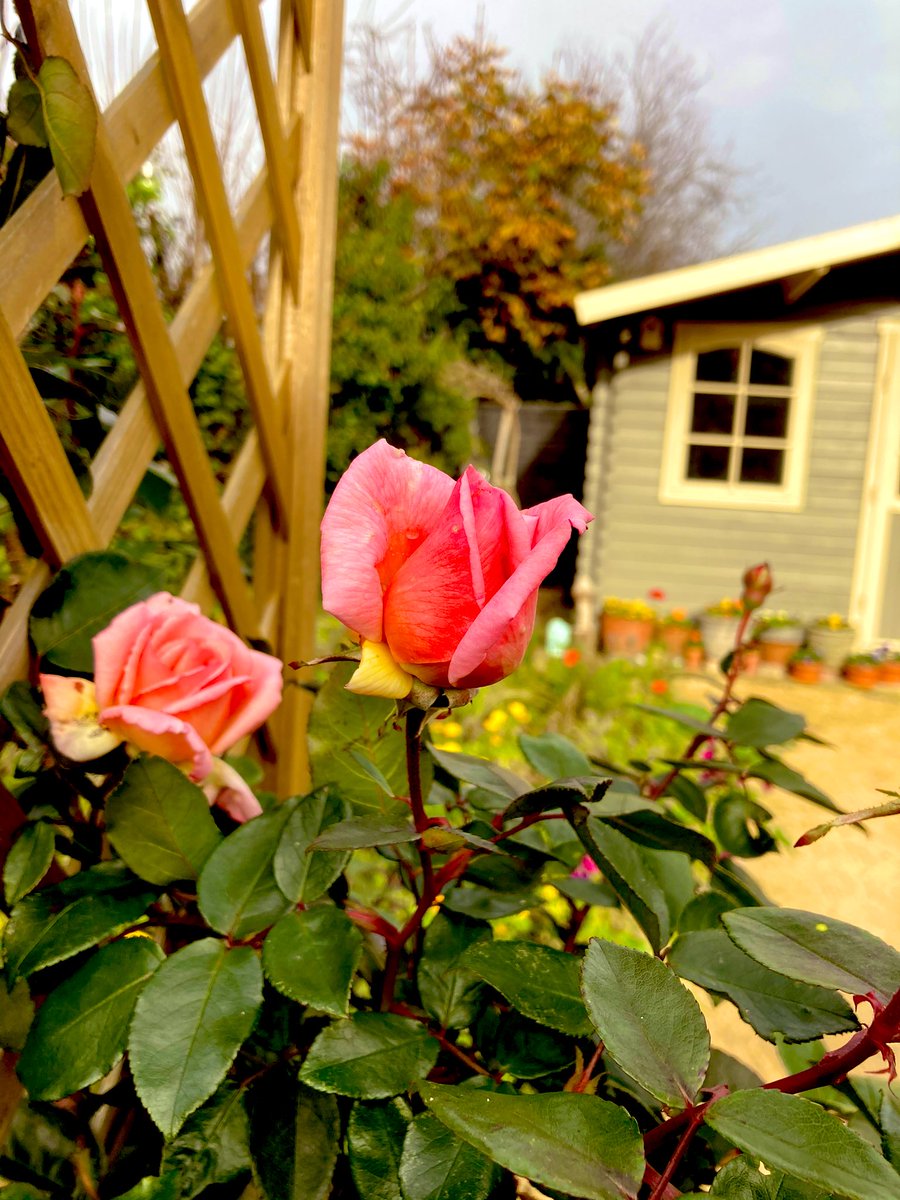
846,875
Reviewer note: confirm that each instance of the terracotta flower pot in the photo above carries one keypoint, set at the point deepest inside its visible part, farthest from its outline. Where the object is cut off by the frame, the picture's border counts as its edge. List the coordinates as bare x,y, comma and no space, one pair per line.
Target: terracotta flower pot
779,653
624,637
672,638
861,675
889,671
806,672
693,657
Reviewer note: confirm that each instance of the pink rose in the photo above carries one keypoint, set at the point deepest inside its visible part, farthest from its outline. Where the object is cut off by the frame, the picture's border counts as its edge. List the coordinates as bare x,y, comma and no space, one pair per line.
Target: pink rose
172,682
439,579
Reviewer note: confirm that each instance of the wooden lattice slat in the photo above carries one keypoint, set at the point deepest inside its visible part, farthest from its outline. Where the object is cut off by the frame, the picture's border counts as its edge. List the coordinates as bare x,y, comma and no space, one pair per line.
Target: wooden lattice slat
285,373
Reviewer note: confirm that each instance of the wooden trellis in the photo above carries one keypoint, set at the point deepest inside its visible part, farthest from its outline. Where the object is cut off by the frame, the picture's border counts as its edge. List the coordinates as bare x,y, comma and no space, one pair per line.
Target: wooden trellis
278,473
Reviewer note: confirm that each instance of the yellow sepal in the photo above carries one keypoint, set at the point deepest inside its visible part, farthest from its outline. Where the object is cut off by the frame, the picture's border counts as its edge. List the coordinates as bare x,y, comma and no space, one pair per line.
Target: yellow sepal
379,674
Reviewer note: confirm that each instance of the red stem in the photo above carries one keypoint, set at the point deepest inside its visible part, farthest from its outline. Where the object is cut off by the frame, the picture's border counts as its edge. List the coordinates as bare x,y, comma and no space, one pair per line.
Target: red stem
661,1187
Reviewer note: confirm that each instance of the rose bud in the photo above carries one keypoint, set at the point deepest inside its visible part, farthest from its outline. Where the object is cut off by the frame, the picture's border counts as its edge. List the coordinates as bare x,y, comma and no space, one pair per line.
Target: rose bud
757,585
169,681
438,579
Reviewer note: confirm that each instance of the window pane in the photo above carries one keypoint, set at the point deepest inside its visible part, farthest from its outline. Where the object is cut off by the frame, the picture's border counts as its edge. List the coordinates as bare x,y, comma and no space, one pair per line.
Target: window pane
719,366
767,416
762,466
771,369
712,414
708,462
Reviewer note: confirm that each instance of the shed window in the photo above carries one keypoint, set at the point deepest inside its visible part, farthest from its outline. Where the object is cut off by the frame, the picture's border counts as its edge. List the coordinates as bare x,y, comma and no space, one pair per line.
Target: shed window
739,411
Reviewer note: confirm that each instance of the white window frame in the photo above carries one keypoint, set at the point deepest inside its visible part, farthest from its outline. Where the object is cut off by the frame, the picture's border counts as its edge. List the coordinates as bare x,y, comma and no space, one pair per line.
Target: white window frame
799,343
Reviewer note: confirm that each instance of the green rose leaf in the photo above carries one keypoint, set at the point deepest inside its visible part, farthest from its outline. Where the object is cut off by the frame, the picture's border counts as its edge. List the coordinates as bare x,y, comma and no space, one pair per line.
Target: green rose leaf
651,1025
485,904
212,1146
519,1046
16,1014
370,1056
294,1138
70,121
578,1144
28,861
310,956
358,832
25,115
56,923
375,1134
342,722
816,950
155,1187
160,823
889,1119
743,1180
82,599
540,982
304,875
554,756
437,1165
448,988
21,706
564,794
794,1135
739,826
649,827
237,890
758,723
771,1003
479,772
82,1027
773,770
179,1053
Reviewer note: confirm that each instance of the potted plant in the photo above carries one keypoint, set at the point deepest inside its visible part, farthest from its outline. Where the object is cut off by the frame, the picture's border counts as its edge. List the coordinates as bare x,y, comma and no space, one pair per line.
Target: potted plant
832,638
694,653
889,666
626,627
719,625
673,631
779,635
805,665
861,670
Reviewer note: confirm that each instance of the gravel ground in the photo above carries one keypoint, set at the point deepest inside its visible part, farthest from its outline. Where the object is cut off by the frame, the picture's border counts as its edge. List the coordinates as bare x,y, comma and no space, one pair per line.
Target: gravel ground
846,875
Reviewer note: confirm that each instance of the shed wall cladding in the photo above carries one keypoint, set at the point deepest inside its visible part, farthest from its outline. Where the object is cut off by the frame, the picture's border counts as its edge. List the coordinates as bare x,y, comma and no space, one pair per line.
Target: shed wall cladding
697,555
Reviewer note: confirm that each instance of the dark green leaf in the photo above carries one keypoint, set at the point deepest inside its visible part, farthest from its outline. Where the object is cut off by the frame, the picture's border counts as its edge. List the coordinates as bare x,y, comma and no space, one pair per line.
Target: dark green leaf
554,756
564,794
16,1014
540,982
774,771
652,828
731,878
160,823
370,1056
769,1002
794,1135
480,772
28,860
681,718
155,1187
82,599
523,1048
576,1143
703,912
484,904
25,116
375,1135
448,989
743,1180
310,956
651,1025
437,1165
179,1053
53,924
237,890
294,1138
688,794
723,1068
20,705
70,121
734,818
358,832
889,1115
587,891
816,949
212,1145
758,723
82,1027
342,722
304,875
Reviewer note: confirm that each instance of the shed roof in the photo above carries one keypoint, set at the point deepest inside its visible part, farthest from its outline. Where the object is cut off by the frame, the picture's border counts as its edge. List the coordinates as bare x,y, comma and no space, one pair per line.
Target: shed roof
807,257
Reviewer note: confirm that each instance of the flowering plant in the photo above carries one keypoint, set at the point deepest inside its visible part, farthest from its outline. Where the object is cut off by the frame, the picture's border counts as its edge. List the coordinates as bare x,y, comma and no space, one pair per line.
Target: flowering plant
631,610
832,621
321,1002
771,619
726,607
677,618
805,654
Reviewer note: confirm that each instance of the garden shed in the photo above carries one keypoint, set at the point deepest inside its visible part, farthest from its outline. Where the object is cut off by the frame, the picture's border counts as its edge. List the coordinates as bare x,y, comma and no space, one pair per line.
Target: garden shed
748,409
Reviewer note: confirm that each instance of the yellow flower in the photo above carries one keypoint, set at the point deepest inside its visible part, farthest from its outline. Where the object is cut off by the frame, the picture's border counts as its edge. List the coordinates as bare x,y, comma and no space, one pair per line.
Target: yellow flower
449,729
519,712
496,739
452,747
495,720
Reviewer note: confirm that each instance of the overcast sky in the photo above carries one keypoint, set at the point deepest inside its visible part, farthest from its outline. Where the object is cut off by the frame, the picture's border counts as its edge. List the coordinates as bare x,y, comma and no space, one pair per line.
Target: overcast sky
806,92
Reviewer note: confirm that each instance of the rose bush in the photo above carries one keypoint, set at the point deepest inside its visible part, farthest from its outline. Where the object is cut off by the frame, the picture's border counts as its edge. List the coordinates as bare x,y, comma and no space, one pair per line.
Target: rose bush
172,682
438,579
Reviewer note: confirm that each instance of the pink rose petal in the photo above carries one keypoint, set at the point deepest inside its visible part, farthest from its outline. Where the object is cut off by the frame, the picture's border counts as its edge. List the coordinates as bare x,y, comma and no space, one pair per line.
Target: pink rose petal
159,733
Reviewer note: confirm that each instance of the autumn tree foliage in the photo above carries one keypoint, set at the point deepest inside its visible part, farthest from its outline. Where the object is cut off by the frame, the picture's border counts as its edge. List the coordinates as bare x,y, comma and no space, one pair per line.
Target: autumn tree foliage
519,190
